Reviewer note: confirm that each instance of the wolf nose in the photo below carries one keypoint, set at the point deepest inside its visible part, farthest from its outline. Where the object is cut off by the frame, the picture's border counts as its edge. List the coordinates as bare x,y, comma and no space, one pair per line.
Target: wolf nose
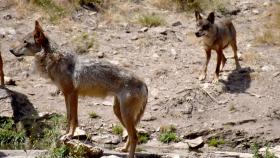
12,51
197,34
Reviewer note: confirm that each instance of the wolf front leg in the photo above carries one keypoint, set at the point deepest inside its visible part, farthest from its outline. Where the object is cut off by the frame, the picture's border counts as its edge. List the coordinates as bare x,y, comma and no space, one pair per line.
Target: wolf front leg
204,70
71,101
219,60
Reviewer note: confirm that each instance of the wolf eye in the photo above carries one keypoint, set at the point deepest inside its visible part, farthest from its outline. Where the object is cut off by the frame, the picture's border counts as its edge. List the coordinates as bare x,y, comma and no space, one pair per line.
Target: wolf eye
205,27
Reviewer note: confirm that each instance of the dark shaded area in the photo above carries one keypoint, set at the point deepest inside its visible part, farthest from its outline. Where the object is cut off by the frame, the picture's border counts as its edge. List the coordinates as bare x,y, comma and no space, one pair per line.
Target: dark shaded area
3,154
238,80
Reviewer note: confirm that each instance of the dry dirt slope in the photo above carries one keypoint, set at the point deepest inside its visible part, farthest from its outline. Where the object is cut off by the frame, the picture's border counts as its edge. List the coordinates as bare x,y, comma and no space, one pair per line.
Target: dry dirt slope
242,109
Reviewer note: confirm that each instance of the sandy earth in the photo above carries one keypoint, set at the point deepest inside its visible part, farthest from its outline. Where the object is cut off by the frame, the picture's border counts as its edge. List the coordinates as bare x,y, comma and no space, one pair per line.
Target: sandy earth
242,108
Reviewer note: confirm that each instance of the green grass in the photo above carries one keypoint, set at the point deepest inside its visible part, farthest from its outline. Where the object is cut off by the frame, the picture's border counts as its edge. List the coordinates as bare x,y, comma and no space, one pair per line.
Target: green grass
150,20
216,142
117,129
268,154
255,151
143,138
167,137
9,135
93,115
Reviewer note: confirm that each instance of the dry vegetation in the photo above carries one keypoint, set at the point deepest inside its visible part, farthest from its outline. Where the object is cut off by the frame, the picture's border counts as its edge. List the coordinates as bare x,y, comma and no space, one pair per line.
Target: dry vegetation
190,5
271,32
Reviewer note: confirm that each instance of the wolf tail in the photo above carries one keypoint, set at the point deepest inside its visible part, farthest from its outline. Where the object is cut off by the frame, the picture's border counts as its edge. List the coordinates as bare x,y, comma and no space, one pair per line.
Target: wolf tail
144,90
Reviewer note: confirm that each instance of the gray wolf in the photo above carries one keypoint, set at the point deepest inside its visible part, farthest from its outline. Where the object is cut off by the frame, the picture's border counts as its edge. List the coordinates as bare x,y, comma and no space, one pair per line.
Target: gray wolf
216,36
76,76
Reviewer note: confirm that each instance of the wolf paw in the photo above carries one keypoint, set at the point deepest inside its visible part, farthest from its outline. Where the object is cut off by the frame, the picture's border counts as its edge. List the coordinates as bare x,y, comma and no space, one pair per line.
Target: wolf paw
215,80
202,77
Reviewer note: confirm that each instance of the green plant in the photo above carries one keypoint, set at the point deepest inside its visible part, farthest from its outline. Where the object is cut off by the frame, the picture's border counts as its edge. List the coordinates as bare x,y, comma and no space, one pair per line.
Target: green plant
216,142
255,150
150,20
9,134
167,137
61,151
143,138
232,108
93,115
117,129
268,154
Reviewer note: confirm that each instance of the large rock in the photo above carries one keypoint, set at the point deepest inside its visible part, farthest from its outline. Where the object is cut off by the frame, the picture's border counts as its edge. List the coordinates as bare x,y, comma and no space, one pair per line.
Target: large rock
16,105
90,151
195,143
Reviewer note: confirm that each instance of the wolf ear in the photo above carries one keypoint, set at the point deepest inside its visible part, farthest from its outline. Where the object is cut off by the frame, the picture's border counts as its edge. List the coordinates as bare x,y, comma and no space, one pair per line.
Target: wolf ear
197,15
211,17
39,36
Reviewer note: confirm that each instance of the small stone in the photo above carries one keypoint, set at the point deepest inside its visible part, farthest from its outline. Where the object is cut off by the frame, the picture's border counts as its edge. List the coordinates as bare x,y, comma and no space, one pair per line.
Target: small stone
173,52
155,55
112,140
179,37
266,4
195,143
7,17
255,11
100,54
181,145
144,29
134,38
160,30
268,68
177,23
80,134
9,81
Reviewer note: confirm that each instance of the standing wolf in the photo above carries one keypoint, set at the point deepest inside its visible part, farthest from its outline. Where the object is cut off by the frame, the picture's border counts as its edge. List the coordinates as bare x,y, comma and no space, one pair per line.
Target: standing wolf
79,76
216,36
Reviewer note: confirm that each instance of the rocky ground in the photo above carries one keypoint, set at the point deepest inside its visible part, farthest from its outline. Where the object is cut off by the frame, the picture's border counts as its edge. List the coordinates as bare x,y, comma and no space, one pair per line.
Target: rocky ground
242,109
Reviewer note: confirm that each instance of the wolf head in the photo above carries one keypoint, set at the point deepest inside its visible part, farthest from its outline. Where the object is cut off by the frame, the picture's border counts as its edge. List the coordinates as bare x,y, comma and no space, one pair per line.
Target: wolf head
204,26
32,43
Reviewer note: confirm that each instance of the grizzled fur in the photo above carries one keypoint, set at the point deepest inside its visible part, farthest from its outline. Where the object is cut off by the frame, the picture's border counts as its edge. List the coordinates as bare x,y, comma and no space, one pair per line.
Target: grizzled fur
87,77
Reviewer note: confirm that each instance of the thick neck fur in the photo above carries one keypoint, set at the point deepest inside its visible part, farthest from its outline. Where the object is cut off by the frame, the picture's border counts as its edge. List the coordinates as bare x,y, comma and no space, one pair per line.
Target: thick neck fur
46,59
211,37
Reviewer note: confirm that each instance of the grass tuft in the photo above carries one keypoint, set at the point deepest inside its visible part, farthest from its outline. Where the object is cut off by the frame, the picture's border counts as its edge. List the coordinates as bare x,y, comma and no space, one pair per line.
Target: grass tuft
150,20
117,129
143,138
9,136
167,137
216,142
93,115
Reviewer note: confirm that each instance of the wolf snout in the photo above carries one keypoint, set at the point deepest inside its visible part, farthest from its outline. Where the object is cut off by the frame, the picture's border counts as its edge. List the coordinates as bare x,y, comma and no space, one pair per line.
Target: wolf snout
14,53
